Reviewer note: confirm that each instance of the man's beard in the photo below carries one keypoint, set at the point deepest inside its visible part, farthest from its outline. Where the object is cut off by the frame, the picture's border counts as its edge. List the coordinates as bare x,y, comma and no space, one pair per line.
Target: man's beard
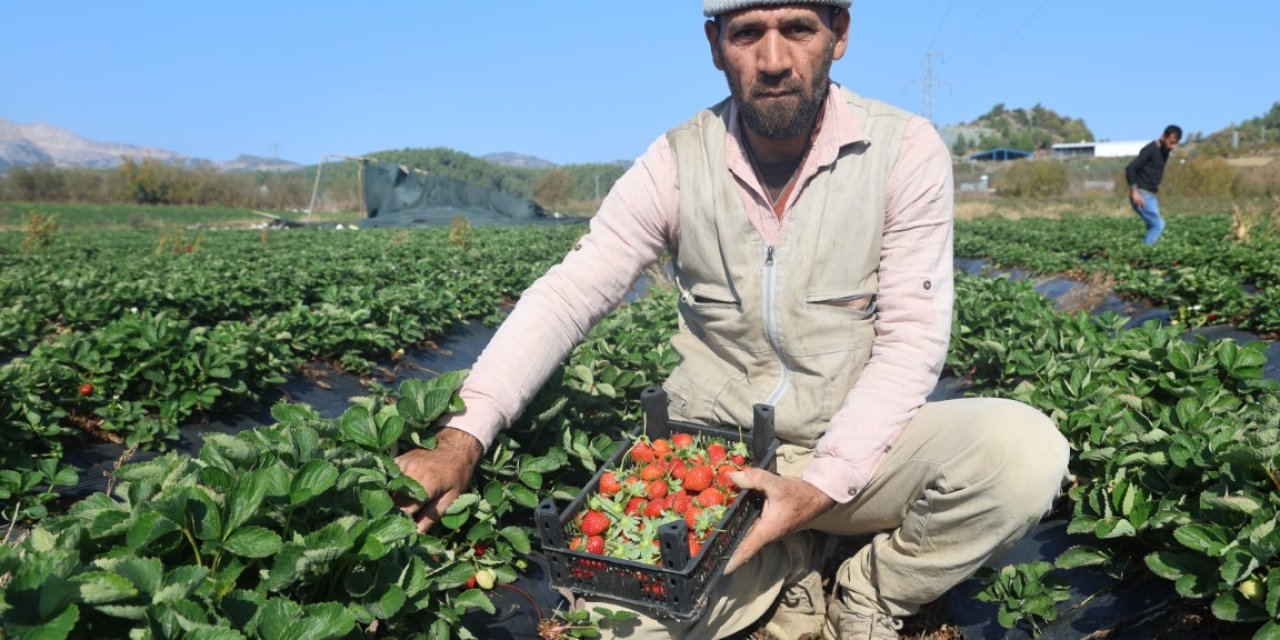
782,118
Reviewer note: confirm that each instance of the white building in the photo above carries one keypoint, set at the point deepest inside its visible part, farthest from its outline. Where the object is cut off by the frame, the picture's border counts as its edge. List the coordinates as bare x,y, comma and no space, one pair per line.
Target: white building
1118,149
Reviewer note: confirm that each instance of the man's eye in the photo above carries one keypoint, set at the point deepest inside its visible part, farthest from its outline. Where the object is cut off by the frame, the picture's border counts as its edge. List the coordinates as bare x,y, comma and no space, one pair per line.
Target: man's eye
745,35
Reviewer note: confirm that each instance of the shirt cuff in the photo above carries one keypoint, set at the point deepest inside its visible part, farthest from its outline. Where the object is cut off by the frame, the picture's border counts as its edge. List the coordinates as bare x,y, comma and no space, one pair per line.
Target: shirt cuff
838,478
480,419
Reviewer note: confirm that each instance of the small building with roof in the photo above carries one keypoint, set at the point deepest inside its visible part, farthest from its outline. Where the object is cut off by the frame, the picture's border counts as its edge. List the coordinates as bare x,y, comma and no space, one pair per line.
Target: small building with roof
999,155
1109,149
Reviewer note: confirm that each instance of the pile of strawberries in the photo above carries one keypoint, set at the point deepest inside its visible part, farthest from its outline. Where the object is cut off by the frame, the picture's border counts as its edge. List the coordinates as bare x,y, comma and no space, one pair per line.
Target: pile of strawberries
658,481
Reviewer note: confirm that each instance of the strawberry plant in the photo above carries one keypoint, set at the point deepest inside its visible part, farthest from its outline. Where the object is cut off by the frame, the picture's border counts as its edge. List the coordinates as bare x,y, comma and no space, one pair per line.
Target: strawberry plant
279,532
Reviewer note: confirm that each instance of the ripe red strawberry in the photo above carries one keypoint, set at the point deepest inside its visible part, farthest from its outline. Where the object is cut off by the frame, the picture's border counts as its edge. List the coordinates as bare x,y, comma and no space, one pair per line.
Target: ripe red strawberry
699,479
739,459
594,523
642,452
595,544
471,582
655,508
716,452
691,515
710,497
681,501
86,389
652,472
656,489
678,469
694,544
681,440
479,549
609,484
635,506
722,478
661,449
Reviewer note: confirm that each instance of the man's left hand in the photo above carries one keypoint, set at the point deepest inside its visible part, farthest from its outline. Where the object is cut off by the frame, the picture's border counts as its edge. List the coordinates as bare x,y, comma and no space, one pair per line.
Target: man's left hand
789,504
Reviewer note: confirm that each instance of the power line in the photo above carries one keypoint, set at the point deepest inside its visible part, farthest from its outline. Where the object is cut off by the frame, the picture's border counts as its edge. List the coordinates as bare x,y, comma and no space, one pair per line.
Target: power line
1010,39
956,47
940,23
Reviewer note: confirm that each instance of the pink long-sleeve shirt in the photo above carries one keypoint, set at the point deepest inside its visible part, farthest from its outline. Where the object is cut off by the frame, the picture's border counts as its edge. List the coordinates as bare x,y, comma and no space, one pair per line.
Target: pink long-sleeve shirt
639,219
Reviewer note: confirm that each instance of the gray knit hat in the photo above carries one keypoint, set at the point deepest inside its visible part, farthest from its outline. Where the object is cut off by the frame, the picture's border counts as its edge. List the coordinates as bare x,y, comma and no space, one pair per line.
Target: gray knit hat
712,8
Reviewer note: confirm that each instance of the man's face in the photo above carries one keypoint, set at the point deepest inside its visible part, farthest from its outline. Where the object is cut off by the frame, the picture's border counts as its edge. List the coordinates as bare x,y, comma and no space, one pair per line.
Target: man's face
777,62
1169,140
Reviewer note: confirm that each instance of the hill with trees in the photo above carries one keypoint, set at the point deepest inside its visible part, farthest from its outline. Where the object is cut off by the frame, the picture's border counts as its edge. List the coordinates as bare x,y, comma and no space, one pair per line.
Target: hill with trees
1021,129
1260,134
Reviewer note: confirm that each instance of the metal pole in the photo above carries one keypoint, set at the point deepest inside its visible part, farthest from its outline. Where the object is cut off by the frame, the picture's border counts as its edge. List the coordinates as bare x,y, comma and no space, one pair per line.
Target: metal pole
315,190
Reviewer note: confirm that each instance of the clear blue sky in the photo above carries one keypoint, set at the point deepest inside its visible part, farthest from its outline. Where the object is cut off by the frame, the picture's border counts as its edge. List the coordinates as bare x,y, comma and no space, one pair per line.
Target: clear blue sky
592,80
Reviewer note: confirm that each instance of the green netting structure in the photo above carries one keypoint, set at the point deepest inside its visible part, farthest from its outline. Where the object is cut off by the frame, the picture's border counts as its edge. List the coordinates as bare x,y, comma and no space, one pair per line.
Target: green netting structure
398,196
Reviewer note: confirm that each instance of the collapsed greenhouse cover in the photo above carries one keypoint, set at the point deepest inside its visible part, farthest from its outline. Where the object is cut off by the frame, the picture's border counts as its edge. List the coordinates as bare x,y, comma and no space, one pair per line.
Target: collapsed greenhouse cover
398,196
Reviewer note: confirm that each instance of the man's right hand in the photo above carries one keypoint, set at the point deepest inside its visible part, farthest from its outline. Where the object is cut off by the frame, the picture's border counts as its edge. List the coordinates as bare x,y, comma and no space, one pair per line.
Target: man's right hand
444,472
1137,199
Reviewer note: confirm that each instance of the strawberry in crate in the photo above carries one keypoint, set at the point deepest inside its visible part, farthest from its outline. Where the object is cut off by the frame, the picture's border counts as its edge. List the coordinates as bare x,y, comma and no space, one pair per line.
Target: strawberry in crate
685,477
657,523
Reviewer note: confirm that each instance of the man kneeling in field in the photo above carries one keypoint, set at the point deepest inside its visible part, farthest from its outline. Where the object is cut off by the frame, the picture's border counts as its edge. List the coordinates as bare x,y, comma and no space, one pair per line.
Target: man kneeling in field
811,229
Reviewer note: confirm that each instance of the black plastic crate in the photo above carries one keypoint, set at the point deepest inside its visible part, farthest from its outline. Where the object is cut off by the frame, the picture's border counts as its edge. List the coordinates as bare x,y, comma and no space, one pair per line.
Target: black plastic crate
678,588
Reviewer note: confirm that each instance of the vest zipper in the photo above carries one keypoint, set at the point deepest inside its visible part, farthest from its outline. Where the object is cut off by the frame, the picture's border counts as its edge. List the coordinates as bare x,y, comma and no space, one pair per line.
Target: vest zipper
771,326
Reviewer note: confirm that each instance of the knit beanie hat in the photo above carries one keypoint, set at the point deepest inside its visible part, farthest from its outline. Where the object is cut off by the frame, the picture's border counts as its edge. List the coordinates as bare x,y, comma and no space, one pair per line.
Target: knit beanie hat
711,8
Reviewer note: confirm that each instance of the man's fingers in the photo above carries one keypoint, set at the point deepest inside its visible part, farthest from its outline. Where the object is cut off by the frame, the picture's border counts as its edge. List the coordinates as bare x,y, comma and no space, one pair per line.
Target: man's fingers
751,478
747,549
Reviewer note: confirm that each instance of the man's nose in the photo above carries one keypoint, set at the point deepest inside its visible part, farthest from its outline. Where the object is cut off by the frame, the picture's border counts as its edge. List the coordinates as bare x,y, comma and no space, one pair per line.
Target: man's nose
774,56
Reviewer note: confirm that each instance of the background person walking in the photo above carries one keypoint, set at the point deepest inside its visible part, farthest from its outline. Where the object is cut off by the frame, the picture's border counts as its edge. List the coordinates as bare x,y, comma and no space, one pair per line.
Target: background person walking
1144,175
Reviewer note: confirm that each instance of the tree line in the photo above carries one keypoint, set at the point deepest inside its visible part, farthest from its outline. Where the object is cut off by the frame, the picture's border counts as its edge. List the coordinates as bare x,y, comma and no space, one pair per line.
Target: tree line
568,188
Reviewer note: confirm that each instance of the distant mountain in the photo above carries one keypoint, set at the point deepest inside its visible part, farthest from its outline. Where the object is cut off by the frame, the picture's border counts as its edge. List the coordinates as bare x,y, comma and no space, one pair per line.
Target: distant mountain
246,162
37,143
518,160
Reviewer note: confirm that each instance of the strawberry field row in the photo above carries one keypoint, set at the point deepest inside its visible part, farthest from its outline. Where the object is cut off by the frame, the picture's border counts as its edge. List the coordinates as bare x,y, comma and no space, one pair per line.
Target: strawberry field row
290,530
114,337
1175,446
1197,270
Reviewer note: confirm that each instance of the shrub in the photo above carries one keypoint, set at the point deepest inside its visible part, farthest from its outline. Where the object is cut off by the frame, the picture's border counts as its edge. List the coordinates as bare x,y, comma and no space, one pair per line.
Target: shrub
1032,178
1200,176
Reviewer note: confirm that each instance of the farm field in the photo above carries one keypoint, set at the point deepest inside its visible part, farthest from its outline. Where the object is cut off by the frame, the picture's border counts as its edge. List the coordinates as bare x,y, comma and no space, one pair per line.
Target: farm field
74,216
290,529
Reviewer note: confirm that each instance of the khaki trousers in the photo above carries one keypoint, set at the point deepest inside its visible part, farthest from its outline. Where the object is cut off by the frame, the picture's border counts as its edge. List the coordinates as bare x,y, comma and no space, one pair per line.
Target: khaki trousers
967,480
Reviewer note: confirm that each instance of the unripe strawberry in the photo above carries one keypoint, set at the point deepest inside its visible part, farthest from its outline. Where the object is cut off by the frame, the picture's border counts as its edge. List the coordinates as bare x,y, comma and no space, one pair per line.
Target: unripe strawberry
486,578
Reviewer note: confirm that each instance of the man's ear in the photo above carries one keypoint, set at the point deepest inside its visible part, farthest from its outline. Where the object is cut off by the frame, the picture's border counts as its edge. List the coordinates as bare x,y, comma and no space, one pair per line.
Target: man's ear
713,38
840,25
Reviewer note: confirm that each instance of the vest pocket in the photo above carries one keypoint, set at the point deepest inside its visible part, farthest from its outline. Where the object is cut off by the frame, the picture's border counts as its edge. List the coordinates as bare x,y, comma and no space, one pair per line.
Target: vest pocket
705,296
858,304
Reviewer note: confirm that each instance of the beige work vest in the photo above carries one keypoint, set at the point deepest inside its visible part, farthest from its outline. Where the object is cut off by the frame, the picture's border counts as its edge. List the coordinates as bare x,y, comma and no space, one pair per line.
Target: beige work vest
774,325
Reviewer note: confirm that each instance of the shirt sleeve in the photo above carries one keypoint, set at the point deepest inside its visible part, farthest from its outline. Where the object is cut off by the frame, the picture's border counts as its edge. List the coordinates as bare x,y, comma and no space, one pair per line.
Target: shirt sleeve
913,321
629,232
1131,169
